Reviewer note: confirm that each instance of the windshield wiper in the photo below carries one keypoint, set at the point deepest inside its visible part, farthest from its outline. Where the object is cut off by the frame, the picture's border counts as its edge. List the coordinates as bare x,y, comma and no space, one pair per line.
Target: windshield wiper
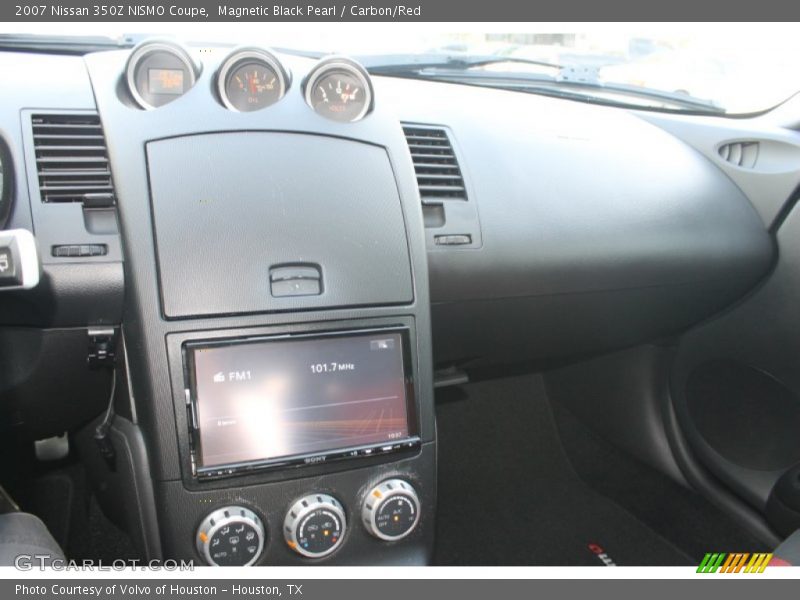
568,81
397,64
586,88
63,44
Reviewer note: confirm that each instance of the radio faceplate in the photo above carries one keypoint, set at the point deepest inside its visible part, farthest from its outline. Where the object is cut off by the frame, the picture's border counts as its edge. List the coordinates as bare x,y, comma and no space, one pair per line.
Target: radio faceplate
298,399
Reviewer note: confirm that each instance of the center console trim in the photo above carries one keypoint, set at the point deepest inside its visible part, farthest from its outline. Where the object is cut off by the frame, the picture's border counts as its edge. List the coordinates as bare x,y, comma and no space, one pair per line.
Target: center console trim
280,471
154,341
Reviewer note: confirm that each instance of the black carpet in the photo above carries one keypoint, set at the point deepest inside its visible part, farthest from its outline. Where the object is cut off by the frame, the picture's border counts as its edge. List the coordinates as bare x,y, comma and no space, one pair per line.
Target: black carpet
61,497
103,541
678,514
508,495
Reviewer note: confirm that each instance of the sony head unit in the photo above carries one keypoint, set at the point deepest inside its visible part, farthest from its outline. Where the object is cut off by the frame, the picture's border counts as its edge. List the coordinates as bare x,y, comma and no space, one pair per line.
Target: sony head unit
292,400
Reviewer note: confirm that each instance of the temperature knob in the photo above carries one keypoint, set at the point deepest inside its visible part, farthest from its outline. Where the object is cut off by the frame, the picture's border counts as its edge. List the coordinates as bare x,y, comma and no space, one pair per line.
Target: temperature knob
391,510
232,536
315,525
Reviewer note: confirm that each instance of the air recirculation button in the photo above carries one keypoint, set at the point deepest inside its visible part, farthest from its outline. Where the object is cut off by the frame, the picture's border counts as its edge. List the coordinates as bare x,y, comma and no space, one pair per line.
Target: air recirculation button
391,510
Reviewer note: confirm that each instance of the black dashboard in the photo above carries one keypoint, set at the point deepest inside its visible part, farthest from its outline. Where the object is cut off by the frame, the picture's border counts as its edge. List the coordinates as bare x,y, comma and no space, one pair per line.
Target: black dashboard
183,201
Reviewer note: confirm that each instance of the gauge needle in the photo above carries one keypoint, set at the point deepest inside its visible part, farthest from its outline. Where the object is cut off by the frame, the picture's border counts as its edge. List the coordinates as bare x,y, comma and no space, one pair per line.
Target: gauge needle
346,96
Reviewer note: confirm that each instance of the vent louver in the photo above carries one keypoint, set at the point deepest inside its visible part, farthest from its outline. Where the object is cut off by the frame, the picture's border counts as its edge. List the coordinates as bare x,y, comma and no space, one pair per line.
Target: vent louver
438,173
72,159
741,154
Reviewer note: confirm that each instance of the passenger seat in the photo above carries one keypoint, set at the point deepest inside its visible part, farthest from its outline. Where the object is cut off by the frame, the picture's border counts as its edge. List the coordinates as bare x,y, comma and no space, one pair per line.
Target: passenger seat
24,534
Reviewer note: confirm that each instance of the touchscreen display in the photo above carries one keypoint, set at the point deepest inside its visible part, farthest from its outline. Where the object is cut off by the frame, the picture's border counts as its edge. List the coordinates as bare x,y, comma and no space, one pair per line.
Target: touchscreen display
268,399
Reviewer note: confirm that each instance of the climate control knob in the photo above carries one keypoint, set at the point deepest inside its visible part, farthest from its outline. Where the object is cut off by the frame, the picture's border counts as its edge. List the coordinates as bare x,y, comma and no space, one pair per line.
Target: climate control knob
315,525
391,510
232,536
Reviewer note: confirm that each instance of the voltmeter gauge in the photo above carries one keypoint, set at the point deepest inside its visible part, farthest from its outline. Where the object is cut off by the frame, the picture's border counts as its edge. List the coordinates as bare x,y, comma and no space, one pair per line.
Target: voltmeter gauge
251,79
339,89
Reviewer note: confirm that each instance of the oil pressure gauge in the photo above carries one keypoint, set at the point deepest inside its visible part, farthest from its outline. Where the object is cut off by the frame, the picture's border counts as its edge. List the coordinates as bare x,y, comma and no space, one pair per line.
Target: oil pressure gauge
339,89
251,79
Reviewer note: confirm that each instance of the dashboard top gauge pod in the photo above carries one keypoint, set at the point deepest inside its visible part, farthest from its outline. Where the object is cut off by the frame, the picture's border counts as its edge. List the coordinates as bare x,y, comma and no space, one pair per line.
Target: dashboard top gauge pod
159,72
339,89
251,79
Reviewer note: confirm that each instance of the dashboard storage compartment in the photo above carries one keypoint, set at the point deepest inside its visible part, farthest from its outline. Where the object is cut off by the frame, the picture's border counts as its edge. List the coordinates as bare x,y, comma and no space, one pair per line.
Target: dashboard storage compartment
229,207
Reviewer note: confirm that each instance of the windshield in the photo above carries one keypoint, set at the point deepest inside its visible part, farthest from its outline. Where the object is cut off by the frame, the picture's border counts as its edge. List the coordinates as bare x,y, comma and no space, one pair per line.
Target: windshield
727,68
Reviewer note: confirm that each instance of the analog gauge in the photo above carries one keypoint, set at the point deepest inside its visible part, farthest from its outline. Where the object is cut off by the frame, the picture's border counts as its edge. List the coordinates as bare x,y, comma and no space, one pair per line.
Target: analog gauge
250,80
339,89
159,72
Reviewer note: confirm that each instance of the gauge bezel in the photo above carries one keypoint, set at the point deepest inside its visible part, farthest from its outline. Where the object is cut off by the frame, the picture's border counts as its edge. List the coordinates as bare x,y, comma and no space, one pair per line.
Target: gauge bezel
257,54
145,49
6,183
340,63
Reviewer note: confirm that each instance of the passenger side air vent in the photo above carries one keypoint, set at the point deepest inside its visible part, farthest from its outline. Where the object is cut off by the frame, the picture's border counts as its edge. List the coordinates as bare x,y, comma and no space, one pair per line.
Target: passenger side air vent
438,174
72,160
741,154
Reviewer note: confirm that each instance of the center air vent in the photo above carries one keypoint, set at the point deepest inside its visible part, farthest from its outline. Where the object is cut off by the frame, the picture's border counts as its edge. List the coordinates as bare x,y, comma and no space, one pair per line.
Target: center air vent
71,159
741,154
438,174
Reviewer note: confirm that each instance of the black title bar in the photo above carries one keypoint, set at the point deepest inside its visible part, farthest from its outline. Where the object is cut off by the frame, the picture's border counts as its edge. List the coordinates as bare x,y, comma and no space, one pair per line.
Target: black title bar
397,11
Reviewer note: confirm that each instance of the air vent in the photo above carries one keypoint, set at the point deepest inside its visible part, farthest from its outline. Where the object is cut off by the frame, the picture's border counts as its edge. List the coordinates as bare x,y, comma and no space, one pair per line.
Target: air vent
741,154
438,174
71,159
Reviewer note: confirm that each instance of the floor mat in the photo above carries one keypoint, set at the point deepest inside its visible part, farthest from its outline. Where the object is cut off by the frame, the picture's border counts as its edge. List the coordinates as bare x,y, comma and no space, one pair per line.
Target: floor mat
677,513
102,540
61,498
509,496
